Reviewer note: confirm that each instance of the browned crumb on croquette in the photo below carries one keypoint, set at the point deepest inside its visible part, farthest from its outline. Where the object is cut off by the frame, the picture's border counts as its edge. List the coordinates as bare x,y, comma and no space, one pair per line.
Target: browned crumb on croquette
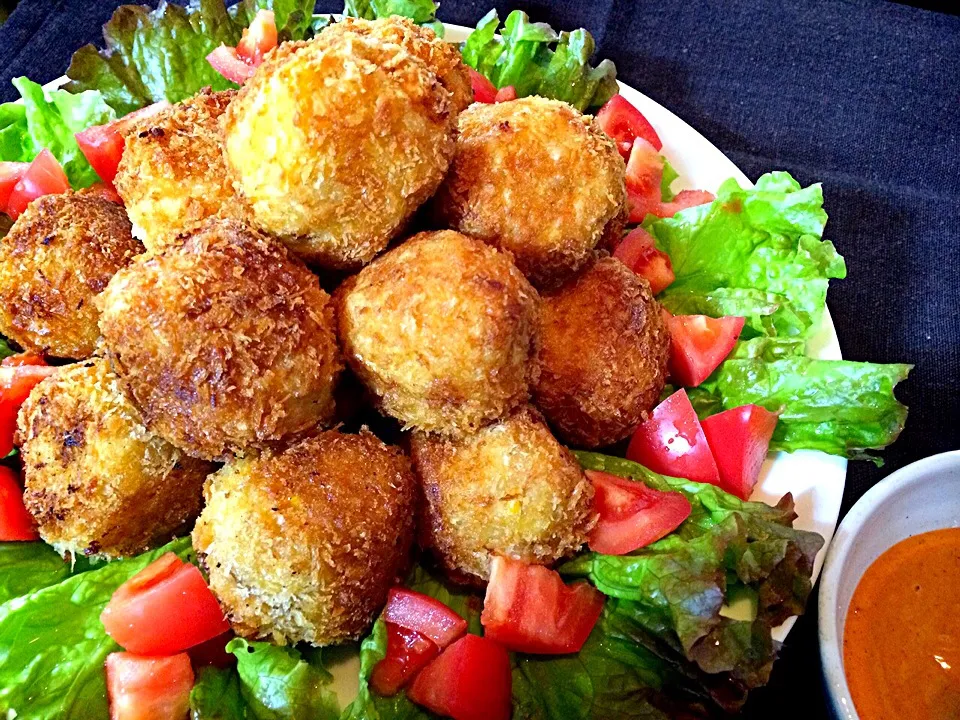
510,489
303,545
603,357
60,253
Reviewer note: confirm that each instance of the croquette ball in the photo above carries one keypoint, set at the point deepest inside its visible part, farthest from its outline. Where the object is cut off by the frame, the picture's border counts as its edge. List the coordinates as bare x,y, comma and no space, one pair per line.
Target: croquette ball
172,175
225,341
537,178
303,545
442,330
98,482
510,489
334,143
603,358
60,253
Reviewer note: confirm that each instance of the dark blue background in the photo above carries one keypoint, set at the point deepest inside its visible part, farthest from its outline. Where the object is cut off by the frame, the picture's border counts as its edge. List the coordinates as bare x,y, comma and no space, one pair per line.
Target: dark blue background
861,96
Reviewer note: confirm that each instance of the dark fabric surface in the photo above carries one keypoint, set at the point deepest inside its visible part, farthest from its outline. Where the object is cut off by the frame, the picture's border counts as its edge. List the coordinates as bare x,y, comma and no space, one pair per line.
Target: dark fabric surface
861,96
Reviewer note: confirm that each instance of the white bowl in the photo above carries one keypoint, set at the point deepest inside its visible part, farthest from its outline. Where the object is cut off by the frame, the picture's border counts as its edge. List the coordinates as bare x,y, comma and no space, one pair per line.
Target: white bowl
921,497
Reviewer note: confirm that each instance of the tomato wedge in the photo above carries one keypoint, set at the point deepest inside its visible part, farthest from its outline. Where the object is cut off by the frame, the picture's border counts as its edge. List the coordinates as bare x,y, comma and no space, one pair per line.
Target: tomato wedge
470,680
639,253
148,688
16,382
484,91
422,614
15,522
10,174
44,176
739,439
528,608
164,609
258,39
671,442
22,359
506,94
683,200
213,652
698,344
619,119
408,652
643,178
632,515
102,145
225,61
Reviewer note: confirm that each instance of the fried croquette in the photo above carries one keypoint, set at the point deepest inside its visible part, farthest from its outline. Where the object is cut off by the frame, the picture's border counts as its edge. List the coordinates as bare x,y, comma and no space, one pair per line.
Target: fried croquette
225,341
98,482
56,258
442,330
333,144
441,57
172,175
510,489
537,178
302,545
603,358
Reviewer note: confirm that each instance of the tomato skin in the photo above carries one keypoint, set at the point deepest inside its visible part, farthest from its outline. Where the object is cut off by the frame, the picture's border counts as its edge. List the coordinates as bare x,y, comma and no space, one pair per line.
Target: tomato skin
470,680
619,119
21,359
43,177
10,174
164,609
506,94
425,615
528,608
639,253
16,382
148,688
740,439
408,652
258,39
698,344
226,62
484,91
632,515
15,522
683,200
671,442
643,178
102,145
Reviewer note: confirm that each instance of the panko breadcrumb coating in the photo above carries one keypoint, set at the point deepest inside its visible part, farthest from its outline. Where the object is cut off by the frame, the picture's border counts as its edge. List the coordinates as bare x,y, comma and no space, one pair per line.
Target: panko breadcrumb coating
334,143
603,358
442,330
537,178
225,341
98,482
57,257
510,489
303,545
172,176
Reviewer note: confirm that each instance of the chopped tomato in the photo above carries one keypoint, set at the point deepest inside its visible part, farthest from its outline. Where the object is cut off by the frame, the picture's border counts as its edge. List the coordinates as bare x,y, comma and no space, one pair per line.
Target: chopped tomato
15,522
619,119
484,91
683,200
408,652
10,174
16,382
164,609
698,344
506,94
671,442
22,359
421,613
739,439
226,62
632,515
639,253
43,177
644,174
107,192
102,145
148,688
528,608
258,39
470,680
213,652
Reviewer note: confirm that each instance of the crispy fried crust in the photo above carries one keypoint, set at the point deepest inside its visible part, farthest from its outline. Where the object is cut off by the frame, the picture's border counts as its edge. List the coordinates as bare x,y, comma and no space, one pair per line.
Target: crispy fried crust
172,176
225,341
98,482
59,254
510,489
603,359
334,143
537,178
303,545
442,330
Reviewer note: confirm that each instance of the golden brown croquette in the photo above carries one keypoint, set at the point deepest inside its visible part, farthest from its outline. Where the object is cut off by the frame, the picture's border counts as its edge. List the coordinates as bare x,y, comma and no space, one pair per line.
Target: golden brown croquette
172,176
57,257
537,178
510,489
442,330
225,341
302,545
98,482
603,358
334,143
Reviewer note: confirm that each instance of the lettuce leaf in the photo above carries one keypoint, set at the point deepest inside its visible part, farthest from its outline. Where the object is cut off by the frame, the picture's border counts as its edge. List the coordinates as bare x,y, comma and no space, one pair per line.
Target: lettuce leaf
422,12
216,696
26,567
535,60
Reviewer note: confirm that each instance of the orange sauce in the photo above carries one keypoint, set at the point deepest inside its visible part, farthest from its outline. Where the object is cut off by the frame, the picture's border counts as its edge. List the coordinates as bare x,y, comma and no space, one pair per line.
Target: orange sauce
901,640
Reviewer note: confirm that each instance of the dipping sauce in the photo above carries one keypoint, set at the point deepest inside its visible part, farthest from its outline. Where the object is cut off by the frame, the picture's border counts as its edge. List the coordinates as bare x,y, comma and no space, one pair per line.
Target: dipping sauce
901,640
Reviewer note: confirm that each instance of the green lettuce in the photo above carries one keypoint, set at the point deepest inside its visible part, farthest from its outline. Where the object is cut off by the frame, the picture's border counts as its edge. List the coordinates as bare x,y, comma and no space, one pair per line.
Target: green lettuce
26,567
535,60
422,12
216,696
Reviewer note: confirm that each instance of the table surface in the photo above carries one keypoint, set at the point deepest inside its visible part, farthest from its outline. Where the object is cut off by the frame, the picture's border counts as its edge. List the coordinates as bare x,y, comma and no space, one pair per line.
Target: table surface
861,95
